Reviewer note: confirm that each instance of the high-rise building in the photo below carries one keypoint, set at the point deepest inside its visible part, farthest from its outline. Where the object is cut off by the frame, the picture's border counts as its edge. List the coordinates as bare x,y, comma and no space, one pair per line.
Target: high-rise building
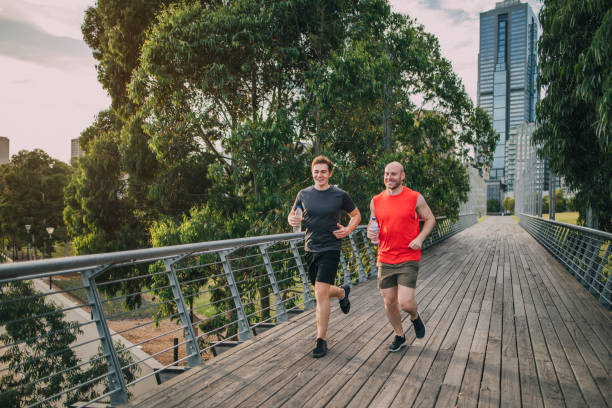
4,150
75,150
507,74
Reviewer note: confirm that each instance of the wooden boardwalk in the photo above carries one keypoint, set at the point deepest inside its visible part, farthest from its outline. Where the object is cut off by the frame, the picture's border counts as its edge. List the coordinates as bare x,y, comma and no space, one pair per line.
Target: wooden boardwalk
506,326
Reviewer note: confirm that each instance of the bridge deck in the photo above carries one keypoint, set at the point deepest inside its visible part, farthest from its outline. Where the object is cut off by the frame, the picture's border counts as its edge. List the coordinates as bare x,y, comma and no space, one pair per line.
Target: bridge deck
506,326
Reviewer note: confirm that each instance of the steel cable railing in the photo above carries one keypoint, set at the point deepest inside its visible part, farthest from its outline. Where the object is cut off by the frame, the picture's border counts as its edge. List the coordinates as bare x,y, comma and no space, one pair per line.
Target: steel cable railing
586,253
203,296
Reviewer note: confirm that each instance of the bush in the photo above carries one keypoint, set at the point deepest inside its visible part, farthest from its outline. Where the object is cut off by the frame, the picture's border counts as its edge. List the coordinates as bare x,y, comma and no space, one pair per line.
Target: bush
493,205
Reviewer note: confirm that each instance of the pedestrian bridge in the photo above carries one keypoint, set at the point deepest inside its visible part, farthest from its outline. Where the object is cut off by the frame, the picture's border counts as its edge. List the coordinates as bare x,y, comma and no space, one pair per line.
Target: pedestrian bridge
510,322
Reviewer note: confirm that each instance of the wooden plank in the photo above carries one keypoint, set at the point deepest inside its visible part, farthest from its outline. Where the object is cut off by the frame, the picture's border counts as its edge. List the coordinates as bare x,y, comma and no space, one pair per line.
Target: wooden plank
506,326
449,391
470,386
285,359
490,385
426,361
260,396
454,375
368,380
543,303
585,381
261,348
357,382
547,379
510,385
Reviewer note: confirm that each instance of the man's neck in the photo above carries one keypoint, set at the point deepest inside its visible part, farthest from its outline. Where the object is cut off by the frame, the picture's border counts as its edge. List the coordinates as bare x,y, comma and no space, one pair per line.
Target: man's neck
321,188
396,190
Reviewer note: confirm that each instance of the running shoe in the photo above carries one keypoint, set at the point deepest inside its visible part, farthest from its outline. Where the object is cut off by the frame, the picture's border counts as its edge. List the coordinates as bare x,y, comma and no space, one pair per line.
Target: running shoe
320,350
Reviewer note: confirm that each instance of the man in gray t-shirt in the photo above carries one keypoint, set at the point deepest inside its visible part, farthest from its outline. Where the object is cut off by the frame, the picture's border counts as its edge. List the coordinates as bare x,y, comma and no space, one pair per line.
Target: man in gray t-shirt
321,205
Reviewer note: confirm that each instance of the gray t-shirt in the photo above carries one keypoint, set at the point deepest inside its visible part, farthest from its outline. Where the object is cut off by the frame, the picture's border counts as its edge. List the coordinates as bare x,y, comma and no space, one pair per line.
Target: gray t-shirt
321,216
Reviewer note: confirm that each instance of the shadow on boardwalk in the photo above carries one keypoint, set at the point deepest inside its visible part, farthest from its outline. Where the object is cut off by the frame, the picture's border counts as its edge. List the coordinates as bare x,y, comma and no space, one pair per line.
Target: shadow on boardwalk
506,326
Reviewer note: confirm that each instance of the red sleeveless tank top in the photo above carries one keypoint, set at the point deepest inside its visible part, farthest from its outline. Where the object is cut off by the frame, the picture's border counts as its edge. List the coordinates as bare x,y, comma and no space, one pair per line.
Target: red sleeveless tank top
399,225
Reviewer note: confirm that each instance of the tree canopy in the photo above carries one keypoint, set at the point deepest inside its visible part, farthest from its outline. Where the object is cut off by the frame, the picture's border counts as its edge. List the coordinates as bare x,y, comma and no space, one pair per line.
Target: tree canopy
32,193
218,108
575,115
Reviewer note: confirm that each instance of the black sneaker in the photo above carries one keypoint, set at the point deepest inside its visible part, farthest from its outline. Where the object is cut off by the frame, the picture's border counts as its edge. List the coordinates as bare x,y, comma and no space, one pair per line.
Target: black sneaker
419,327
345,303
398,343
321,349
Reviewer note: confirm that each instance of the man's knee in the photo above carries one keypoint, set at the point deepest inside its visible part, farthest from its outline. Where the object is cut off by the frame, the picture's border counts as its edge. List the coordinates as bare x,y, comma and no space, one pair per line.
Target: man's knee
321,290
408,304
390,301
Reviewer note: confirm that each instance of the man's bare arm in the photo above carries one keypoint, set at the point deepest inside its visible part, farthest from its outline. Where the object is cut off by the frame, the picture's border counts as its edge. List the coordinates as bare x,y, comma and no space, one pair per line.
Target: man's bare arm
342,232
425,214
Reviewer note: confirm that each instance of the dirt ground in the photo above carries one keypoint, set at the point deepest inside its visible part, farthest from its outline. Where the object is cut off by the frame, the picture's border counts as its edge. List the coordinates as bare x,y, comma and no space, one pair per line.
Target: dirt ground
154,346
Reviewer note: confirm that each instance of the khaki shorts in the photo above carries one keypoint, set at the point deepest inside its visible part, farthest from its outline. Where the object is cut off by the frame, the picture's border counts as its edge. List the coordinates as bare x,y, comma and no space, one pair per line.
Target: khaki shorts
405,274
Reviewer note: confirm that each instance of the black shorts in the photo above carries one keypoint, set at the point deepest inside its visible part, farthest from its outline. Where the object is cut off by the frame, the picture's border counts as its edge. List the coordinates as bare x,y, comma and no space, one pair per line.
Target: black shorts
323,266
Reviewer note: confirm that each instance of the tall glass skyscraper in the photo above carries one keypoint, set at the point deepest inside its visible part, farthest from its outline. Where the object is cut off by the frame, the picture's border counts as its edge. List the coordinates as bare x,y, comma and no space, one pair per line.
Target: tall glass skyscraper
507,64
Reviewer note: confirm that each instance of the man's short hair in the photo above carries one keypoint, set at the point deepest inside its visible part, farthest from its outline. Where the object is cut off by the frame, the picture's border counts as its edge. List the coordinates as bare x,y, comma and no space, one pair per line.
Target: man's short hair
322,160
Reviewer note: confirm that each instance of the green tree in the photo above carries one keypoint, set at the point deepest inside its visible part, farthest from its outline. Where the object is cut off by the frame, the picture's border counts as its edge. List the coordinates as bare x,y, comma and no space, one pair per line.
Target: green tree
574,115
38,355
493,205
508,204
31,192
223,81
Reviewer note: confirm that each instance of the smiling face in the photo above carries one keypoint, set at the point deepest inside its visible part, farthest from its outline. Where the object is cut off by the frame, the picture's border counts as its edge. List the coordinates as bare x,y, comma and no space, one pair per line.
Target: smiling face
394,176
321,175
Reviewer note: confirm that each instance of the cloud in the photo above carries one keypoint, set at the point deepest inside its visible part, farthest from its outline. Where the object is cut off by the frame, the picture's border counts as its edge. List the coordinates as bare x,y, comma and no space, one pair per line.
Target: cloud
27,42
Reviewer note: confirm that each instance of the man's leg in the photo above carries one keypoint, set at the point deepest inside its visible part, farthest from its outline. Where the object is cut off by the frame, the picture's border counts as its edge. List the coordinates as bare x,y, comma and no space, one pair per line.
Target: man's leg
407,302
324,291
394,316
409,305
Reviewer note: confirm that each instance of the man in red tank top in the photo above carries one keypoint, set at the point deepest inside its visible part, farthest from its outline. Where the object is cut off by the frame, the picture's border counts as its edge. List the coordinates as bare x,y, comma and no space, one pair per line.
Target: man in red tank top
397,210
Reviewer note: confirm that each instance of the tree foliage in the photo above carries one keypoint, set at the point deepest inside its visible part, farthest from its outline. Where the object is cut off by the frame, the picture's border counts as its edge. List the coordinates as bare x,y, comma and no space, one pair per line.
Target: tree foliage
493,205
40,361
508,204
218,115
32,192
575,115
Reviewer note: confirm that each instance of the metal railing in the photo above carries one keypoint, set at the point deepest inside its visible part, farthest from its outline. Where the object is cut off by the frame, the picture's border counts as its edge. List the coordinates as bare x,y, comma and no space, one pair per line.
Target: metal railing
207,294
584,252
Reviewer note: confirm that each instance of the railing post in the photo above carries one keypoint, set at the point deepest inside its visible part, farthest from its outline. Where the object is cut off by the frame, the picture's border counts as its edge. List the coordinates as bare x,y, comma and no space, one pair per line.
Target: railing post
191,345
116,381
345,269
370,254
590,264
244,330
362,276
608,286
281,314
309,302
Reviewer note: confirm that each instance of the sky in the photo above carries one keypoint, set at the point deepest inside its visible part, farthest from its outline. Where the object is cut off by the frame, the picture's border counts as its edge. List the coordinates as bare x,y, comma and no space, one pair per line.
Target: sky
49,91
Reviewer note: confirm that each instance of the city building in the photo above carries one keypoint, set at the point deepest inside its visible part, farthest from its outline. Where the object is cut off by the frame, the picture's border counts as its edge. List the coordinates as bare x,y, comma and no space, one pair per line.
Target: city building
477,197
75,150
4,150
507,63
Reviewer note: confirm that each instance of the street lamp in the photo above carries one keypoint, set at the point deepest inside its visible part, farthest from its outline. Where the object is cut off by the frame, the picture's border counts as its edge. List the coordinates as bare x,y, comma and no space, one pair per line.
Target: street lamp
27,227
50,232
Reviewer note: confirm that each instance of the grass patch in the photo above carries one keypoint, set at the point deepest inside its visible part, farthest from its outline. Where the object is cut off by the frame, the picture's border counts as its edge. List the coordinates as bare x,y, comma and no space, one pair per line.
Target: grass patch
566,217
110,308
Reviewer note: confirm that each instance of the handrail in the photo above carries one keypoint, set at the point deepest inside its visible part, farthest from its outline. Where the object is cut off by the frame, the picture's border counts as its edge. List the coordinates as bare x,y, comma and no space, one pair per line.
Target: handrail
61,265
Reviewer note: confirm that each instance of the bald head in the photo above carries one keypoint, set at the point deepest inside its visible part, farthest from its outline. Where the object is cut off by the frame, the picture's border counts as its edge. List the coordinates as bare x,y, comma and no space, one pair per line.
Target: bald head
394,176
395,166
